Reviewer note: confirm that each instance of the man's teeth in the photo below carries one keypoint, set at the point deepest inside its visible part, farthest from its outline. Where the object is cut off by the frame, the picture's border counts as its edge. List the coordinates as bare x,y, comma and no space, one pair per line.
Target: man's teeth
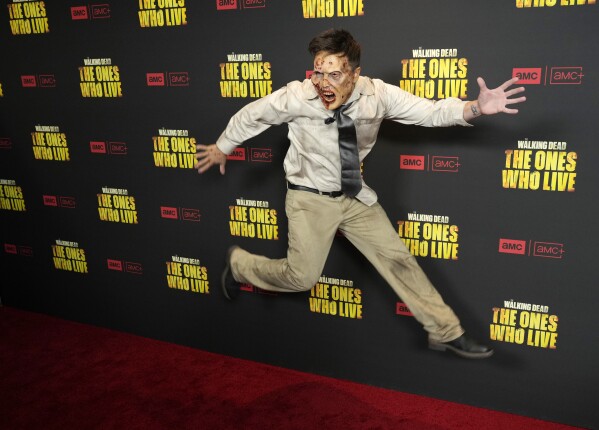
328,95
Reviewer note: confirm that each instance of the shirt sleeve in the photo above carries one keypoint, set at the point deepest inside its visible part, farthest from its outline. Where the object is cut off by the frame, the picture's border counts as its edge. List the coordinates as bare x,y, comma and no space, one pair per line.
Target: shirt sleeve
253,119
406,108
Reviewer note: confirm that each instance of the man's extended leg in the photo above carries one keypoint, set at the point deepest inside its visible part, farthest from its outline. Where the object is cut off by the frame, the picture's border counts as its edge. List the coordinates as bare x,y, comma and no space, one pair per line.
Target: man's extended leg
312,223
370,230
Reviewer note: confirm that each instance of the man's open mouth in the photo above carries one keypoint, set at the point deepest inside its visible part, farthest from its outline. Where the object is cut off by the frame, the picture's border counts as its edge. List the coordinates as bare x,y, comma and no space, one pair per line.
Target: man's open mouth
327,96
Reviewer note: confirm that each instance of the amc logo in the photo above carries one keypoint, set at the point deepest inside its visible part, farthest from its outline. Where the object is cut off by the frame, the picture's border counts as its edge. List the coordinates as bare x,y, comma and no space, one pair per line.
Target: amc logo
98,11
79,12
548,250
5,143
28,81
412,162
9,248
67,202
114,264
175,79
226,4
557,75
249,288
445,164
402,309
97,147
50,201
237,154
155,79
262,155
44,81
26,251
190,214
118,148
248,4
178,79
23,250
531,76
135,268
60,201
169,212
510,246
47,81
566,76
128,266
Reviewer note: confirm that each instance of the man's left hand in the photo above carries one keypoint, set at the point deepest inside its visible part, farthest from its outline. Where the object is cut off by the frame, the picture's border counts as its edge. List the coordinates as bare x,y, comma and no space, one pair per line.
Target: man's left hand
496,100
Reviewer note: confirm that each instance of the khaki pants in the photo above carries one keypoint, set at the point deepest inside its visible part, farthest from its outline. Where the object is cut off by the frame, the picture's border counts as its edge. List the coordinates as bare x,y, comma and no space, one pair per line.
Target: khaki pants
313,221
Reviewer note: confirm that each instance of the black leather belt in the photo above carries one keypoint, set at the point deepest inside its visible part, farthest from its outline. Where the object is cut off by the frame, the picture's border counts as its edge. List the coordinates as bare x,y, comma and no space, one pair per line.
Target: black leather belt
313,190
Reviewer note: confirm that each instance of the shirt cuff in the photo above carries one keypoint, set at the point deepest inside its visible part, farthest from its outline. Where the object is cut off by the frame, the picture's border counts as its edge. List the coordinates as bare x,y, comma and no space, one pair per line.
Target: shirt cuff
459,115
225,145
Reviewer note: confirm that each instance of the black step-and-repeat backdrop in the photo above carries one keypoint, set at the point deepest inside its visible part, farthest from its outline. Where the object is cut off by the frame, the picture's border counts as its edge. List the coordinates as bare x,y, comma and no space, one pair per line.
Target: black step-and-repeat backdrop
105,221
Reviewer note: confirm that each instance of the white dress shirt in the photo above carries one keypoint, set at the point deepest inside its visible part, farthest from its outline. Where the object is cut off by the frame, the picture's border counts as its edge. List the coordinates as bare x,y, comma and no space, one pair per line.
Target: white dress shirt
313,157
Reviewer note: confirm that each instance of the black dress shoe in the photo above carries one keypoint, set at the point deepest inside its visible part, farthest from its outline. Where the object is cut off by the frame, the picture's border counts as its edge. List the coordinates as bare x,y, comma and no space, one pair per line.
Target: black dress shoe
462,346
229,285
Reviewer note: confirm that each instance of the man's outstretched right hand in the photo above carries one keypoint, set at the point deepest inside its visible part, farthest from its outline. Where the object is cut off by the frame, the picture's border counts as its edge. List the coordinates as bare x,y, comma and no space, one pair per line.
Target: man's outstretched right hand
209,155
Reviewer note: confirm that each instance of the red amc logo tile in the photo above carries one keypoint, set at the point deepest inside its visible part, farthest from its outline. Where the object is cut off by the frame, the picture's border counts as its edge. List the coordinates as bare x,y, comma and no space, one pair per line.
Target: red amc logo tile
114,264
79,12
528,75
226,4
402,309
50,201
237,154
169,212
155,79
28,81
411,162
510,246
97,147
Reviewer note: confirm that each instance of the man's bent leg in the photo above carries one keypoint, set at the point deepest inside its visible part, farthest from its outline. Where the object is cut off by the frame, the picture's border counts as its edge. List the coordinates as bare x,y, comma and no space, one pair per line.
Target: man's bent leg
370,230
312,224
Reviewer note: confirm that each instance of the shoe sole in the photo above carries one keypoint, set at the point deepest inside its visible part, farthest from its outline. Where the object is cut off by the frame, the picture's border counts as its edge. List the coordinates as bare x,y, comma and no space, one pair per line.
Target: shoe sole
457,351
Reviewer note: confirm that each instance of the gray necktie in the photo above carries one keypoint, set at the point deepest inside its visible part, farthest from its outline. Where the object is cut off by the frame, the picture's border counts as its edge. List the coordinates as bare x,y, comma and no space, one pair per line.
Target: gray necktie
351,179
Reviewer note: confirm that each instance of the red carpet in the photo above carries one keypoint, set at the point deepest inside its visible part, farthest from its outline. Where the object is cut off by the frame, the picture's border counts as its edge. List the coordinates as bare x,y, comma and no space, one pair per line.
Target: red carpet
57,374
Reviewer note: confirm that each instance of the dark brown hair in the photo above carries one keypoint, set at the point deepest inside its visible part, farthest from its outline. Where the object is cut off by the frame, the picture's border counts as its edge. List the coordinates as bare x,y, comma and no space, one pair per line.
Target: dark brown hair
337,41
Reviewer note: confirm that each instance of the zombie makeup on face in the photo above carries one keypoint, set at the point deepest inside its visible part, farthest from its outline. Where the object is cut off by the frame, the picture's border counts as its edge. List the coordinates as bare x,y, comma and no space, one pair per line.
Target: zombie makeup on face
333,79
